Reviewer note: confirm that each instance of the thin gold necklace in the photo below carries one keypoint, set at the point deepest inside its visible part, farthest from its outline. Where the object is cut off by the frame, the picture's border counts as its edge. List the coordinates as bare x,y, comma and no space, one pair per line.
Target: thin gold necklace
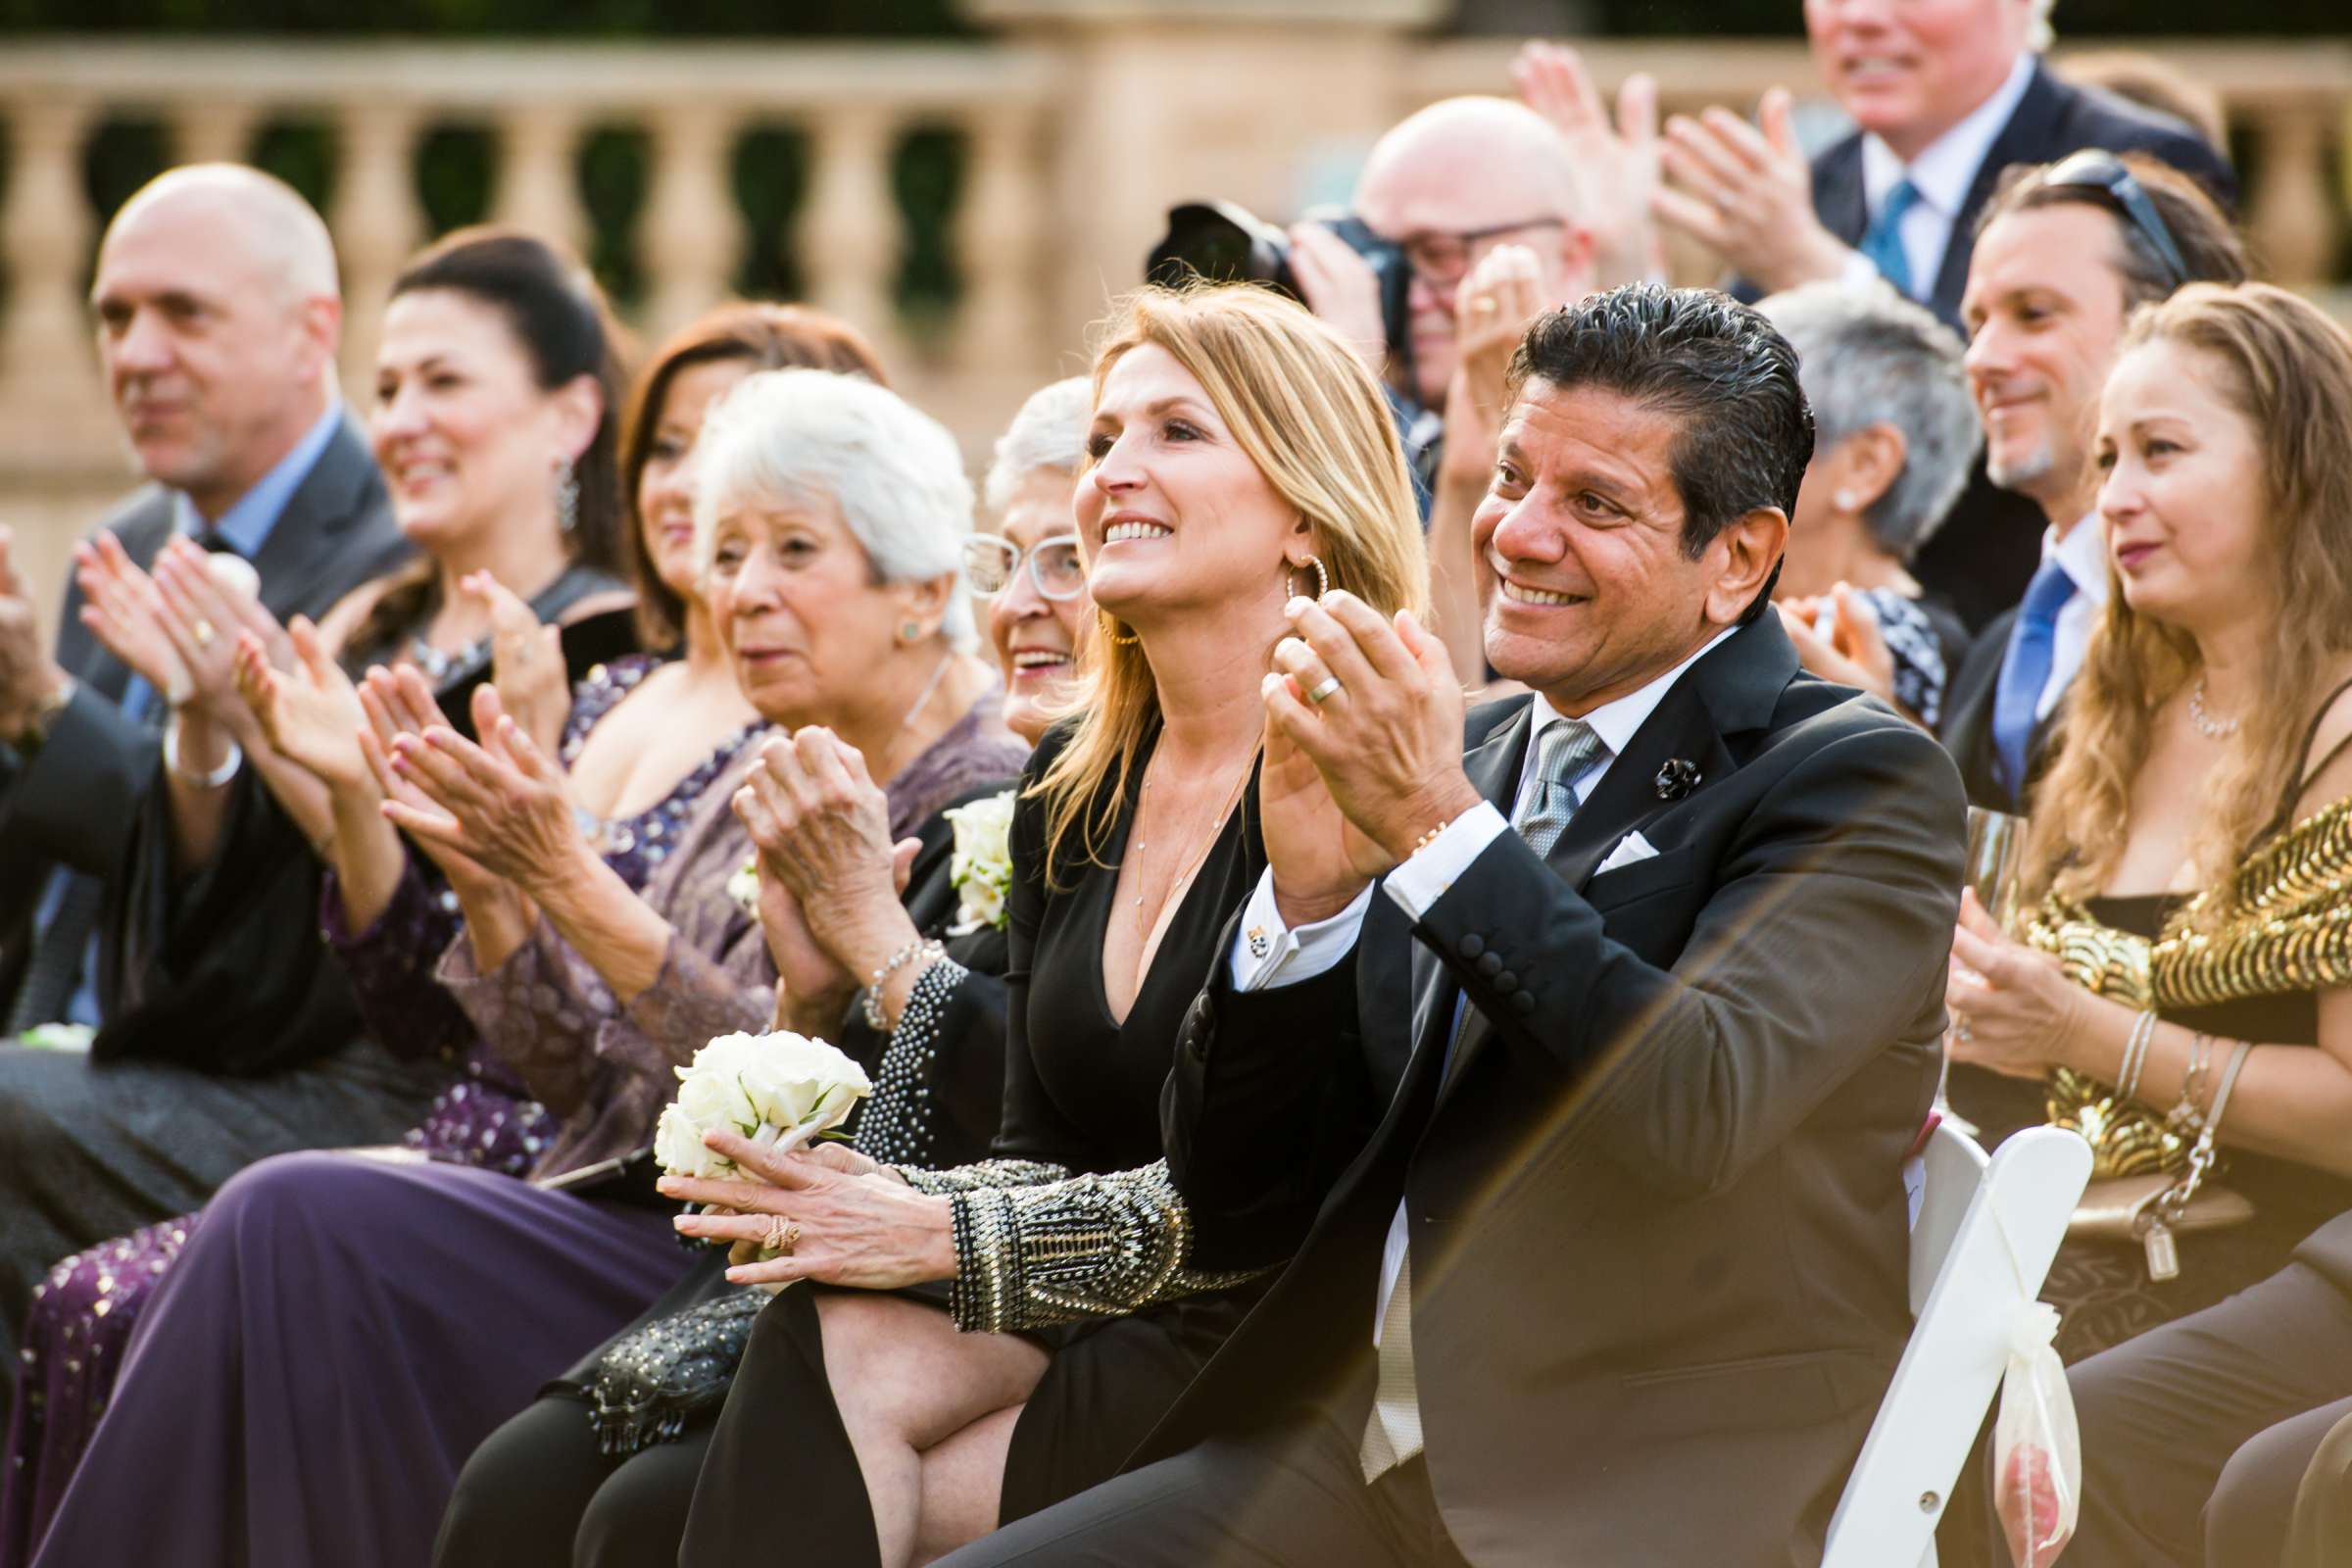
1232,798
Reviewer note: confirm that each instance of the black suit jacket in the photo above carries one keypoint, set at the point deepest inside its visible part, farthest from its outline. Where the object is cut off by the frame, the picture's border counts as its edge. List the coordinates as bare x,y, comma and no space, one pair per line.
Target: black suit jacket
1989,547
1967,730
74,799
1657,1219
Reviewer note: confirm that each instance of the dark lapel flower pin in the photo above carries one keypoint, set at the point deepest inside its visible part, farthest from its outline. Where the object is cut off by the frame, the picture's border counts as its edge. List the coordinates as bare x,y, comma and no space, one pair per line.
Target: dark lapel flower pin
1678,778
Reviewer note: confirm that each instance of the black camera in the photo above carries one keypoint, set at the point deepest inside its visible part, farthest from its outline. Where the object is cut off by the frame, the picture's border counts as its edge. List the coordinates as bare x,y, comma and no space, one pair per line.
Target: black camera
1225,243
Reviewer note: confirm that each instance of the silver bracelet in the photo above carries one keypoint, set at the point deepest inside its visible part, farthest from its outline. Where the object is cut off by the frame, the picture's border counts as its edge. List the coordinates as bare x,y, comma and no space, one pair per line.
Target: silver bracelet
203,781
2135,1054
923,948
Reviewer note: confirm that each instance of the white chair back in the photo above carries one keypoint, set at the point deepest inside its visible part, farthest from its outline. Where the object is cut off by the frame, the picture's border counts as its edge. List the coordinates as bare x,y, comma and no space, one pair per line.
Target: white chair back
1986,1233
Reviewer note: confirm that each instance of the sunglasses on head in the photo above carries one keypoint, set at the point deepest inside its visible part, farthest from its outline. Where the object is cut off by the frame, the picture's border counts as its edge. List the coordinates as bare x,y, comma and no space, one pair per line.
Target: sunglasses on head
2093,169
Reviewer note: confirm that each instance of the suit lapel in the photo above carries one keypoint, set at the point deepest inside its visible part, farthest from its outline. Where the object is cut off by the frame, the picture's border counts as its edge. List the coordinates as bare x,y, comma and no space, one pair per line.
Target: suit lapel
303,543
1734,688
1839,200
1493,767
2025,140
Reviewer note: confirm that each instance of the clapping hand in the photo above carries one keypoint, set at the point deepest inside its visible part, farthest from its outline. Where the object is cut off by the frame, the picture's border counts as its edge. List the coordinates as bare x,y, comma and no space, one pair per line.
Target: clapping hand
1616,166
1499,300
28,676
1386,744
123,609
527,662
309,715
501,804
202,617
851,1222
1854,653
398,702
1746,193
2012,1007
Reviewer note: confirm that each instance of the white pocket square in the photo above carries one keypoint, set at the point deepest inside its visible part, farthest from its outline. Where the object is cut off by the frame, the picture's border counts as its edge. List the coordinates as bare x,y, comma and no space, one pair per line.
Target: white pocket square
1631,850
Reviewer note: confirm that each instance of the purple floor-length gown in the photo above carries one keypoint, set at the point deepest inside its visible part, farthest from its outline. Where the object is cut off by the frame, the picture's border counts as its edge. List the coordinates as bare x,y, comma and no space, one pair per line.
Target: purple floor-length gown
81,1315
340,1332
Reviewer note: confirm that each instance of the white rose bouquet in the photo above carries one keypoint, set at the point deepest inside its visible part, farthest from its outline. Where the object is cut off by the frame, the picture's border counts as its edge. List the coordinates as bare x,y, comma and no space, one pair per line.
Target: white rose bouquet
981,868
780,1091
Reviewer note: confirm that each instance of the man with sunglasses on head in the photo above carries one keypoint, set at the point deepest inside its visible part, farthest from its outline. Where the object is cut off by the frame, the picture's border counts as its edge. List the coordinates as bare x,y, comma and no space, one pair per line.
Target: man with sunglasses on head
2064,254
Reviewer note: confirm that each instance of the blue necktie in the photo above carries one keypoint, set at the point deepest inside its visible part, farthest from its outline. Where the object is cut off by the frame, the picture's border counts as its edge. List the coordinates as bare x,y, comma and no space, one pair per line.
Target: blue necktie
2024,671
1882,241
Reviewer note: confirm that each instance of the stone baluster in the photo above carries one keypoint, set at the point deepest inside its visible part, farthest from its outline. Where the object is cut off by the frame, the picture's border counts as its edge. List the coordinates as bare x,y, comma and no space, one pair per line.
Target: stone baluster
849,229
538,179
48,383
999,233
214,132
690,234
376,220
2289,217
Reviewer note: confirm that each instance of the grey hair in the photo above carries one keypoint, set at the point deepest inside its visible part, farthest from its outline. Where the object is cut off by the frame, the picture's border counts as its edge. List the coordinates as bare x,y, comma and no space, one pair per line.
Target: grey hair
1866,356
1050,432
794,437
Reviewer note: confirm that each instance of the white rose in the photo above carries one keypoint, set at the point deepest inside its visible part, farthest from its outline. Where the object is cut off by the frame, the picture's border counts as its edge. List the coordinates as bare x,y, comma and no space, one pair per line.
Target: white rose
679,1147
981,868
803,1084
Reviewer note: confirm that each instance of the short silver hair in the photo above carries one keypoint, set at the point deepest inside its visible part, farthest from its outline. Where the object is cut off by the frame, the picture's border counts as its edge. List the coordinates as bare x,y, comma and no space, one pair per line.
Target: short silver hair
1868,356
794,437
1050,432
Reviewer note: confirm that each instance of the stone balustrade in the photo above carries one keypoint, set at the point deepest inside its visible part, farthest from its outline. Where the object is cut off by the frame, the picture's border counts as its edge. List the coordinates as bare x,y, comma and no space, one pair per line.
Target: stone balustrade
1079,123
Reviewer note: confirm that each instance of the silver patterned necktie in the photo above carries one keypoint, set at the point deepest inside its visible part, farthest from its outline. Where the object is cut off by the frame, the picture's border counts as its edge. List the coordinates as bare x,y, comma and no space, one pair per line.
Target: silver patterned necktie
1564,753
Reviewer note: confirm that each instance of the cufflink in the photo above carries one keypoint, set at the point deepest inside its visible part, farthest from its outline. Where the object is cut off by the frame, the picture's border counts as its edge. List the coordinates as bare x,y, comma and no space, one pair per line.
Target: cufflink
1678,778
1259,943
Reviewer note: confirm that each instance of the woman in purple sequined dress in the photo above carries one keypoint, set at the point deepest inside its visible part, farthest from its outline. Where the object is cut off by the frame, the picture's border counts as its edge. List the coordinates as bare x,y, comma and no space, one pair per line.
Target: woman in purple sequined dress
674,723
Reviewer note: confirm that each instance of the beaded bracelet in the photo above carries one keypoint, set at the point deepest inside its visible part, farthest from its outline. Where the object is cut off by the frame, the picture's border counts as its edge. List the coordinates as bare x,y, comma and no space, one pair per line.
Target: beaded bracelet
923,948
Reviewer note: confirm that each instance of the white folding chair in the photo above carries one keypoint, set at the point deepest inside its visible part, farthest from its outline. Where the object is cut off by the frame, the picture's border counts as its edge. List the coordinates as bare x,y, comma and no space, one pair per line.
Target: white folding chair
1986,1235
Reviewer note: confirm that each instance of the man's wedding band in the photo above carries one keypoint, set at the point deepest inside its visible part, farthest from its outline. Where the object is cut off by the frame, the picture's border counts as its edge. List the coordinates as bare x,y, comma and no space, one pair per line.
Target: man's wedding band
1323,689
203,632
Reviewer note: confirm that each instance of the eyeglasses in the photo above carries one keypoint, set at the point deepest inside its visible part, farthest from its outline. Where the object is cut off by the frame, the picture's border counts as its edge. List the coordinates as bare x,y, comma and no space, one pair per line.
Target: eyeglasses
1442,258
2093,169
1054,566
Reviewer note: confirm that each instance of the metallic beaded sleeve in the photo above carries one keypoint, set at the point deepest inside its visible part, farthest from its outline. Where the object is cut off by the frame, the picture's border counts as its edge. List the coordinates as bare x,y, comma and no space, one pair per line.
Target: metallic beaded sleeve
2287,926
1104,1245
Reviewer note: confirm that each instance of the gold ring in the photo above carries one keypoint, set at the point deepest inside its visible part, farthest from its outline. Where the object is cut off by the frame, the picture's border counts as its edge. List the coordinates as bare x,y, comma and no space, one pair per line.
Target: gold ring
1481,307
782,1236
203,632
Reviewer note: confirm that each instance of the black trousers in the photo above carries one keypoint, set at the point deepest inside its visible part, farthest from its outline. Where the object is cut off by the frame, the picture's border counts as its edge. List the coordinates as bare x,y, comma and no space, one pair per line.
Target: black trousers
1291,1497
2196,1434
540,1494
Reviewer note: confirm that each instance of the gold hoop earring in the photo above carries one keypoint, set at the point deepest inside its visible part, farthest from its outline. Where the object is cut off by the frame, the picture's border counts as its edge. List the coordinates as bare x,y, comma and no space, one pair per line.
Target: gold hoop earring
1322,577
1111,630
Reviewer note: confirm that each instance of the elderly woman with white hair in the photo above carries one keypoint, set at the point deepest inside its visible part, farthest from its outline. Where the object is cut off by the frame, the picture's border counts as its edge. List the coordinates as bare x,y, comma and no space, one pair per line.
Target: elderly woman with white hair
1896,432
341,1331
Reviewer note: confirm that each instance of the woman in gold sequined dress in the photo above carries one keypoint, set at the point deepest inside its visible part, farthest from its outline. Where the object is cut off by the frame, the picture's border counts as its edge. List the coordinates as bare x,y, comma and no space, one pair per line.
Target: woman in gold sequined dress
2183,980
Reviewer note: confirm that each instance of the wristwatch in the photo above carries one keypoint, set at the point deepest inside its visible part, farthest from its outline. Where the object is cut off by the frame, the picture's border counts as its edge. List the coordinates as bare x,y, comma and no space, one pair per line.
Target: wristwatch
36,727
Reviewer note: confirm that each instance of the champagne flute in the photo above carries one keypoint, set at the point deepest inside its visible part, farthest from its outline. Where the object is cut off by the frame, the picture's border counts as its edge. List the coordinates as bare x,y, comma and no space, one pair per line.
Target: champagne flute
1997,841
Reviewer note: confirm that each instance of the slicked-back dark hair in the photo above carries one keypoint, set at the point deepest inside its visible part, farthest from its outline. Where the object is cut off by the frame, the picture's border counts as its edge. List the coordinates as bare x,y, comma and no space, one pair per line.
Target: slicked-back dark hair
1706,359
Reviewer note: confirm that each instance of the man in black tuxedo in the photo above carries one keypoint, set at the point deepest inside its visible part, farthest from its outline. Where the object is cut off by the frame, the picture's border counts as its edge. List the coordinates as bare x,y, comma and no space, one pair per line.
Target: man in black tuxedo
1945,97
1649,986
218,312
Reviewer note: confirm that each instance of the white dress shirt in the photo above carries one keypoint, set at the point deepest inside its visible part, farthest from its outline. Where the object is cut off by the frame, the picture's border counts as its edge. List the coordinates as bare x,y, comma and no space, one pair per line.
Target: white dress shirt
2083,555
1942,173
1267,953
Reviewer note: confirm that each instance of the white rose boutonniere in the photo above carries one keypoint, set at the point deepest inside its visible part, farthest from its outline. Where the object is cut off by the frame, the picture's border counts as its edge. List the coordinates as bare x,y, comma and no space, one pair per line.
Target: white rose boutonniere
744,887
780,1091
982,867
